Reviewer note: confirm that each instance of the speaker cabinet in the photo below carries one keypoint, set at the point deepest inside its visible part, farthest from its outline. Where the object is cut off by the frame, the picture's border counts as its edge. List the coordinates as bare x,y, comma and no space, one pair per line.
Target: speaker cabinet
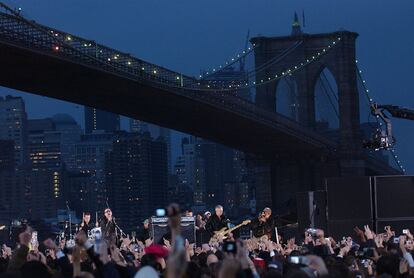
394,197
311,209
160,229
350,204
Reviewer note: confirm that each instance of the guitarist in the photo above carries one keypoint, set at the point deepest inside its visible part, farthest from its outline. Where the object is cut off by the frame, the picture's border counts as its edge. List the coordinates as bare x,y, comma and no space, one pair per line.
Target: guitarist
264,224
217,221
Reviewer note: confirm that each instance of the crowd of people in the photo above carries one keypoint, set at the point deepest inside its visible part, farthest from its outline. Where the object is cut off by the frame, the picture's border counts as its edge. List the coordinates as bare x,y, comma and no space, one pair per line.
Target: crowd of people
364,254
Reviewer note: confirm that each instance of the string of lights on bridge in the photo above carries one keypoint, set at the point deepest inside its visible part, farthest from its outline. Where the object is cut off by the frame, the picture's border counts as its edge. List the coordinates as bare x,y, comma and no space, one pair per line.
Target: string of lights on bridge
207,86
251,84
229,62
269,79
202,85
371,101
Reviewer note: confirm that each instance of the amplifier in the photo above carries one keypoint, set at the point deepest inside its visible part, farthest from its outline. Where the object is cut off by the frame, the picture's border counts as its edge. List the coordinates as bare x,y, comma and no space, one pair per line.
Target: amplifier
160,229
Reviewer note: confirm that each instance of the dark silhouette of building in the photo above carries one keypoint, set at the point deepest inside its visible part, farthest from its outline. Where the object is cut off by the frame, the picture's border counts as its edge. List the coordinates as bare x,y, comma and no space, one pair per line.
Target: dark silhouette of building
7,158
70,134
44,145
51,143
90,155
136,178
8,207
96,119
13,126
79,192
189,169
219,169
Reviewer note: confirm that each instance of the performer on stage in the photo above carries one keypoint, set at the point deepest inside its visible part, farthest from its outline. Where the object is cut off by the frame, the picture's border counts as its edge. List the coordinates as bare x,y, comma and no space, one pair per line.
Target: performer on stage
217,221
264,224
144,232
85,225
108,226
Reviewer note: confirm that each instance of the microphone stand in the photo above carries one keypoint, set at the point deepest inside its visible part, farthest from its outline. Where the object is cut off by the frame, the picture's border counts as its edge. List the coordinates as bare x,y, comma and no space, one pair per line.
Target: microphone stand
70,221
118,228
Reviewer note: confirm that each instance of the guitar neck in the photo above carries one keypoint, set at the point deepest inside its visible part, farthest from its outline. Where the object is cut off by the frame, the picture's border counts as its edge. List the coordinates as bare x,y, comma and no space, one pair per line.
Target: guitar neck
234,228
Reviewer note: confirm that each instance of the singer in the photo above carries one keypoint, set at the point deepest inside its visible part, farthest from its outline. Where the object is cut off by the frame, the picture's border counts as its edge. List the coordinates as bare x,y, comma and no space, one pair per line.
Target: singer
108,226
264,224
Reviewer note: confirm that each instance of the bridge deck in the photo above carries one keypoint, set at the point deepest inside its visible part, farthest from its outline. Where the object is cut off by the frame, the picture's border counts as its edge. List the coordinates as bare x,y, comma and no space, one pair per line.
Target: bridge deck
30,63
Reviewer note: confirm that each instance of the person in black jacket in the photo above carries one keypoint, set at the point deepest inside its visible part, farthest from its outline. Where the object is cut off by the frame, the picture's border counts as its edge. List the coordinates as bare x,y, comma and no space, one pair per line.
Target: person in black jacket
217,221
264,224
145,232
85,226
108,227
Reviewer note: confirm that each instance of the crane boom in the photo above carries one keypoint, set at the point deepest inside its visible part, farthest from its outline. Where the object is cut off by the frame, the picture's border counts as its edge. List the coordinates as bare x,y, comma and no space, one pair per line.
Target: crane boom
398,112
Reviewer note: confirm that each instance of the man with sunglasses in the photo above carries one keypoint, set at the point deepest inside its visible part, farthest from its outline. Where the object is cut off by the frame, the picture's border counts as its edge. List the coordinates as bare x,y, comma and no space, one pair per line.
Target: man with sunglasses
108,226
264,224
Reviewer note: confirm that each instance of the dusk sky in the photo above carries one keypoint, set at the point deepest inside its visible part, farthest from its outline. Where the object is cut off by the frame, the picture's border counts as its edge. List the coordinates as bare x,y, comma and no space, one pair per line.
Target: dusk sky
189,35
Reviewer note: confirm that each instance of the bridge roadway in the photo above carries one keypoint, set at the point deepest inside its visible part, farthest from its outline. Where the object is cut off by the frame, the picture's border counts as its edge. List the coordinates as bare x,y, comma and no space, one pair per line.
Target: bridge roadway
40,60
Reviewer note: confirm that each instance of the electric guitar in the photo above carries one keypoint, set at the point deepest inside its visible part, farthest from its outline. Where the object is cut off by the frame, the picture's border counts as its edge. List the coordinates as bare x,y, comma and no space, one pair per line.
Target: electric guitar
221,234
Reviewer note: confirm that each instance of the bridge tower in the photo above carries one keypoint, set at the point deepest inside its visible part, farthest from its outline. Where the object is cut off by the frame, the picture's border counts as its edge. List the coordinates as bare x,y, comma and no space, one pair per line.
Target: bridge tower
290,173
340,60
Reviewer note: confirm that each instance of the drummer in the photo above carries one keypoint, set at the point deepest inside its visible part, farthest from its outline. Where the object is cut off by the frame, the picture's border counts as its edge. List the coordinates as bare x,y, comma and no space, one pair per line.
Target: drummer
85,226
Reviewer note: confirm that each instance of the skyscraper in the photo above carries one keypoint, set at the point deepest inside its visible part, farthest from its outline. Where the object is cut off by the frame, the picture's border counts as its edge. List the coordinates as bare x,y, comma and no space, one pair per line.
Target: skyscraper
219,169
44,145
190,170
165,135
155,132
7,158
96,119
8,205
138,126
51,142
70,134
90,160
13,126
136,178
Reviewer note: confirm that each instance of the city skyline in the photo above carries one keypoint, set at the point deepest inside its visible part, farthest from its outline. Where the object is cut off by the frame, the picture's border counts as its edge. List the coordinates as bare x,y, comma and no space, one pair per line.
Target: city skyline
337,15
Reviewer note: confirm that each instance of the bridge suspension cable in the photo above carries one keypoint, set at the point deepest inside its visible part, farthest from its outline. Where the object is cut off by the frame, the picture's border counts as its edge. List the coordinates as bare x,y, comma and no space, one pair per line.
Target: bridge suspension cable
213,71
362,81
274,60
209,85
110,59
329,92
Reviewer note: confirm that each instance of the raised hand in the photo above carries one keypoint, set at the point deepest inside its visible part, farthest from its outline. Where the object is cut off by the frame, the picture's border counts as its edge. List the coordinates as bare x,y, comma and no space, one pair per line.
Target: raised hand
308,238
25,238
344,250
368,233
125,243
117,256
379,240
167,243
388,231
409,235
359,233
402,244
141,245
148,242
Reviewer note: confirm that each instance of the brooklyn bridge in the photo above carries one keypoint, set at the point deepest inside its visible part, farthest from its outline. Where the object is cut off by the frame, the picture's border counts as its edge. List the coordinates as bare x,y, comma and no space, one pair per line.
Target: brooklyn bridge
295,151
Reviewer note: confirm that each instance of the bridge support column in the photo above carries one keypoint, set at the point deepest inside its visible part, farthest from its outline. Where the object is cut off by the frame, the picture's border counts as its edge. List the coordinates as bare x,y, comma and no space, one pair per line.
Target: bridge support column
278,179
